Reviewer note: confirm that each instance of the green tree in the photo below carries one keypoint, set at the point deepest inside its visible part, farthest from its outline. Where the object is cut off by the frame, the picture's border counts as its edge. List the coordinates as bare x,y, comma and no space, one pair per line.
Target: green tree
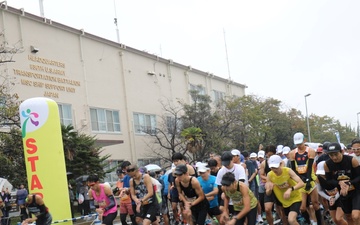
82,156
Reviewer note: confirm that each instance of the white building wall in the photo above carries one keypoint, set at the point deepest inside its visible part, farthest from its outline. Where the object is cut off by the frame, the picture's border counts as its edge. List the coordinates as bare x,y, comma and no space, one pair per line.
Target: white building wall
99,74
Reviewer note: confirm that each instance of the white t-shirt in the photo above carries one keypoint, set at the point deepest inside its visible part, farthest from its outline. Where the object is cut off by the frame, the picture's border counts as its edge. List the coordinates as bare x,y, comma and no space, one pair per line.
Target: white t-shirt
237,170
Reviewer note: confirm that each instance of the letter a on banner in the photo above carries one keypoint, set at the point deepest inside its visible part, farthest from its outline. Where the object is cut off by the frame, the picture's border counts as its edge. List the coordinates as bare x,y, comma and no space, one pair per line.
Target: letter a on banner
44,155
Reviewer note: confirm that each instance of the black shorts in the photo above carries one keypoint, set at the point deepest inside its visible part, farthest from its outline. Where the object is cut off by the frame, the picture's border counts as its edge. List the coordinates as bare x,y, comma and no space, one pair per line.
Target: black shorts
174,199
336,205
350,202
199,212
271,198
149,211
109,218
295,207
215,211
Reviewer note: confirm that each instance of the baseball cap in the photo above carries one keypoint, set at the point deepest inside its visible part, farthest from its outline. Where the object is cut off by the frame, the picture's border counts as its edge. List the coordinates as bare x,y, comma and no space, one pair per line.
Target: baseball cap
261,154
235,152
298,138
203,169
274,161
286,150
180,169
228,179
326,146
320,168
253,155
226,158
334,147
279,149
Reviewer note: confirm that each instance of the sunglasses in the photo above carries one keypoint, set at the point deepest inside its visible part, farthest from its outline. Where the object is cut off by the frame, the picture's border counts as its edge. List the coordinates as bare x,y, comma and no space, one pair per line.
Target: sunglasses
130,170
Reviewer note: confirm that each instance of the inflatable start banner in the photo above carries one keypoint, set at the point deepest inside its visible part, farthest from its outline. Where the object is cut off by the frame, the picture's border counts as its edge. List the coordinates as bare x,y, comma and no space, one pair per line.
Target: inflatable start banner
44,154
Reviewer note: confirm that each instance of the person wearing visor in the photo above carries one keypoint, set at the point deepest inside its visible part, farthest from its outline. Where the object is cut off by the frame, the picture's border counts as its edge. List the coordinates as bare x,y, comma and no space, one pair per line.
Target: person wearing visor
191,194
38,212
243,199
210,188
102,197
285,184
343,172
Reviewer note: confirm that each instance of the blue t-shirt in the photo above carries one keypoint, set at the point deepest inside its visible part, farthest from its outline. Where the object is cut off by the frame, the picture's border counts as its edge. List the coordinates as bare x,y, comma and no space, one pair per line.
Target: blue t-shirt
208,186
126,181
166,183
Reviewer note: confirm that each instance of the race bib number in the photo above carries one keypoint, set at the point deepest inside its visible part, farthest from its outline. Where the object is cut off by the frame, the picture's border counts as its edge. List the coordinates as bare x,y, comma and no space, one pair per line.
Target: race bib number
301,169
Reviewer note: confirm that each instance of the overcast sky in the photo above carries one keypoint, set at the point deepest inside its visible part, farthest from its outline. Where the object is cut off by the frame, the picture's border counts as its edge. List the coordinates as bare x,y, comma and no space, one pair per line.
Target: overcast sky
280,49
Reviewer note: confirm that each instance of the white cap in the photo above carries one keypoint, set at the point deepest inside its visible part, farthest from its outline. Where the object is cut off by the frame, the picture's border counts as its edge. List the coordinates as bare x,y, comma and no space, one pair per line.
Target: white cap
200,164
298,138
203,169
320,168
235,152
274,161
286,150
279,149
253,155
261,154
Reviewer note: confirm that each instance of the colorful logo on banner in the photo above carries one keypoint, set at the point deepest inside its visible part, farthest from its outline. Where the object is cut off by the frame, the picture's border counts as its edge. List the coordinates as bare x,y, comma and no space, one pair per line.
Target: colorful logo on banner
44,154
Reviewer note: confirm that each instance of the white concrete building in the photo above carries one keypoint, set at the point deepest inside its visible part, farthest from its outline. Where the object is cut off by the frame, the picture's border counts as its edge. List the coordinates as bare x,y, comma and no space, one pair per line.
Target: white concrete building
102,87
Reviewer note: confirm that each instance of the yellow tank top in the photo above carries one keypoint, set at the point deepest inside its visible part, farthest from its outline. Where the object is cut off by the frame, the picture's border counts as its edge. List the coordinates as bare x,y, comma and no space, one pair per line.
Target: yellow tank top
237,199
281,184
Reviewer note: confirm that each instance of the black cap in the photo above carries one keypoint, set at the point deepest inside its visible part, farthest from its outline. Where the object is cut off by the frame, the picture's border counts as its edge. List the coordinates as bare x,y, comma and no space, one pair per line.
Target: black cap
228,179
334,147
212,162
180,169
326,146
226,158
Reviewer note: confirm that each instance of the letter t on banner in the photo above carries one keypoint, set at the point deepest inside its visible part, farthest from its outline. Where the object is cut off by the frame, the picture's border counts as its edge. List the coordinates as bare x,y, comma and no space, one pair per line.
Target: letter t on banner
44,155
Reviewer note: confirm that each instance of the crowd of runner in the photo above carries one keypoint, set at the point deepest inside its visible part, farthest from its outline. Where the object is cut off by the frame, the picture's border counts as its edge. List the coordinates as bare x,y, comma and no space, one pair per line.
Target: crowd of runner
234,188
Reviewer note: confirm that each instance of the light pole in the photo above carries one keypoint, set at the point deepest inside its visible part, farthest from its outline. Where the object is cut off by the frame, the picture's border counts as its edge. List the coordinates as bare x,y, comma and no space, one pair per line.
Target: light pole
358,129
307,117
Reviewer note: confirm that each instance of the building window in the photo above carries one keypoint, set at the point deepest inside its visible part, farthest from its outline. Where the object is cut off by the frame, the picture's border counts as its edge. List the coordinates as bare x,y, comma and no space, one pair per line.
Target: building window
218,96
104,120
198,88
144,162
144,123
112,177
171,122
65,113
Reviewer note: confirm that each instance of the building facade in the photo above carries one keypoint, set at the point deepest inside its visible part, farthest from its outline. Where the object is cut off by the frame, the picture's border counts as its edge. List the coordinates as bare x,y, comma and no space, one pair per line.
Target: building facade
103,88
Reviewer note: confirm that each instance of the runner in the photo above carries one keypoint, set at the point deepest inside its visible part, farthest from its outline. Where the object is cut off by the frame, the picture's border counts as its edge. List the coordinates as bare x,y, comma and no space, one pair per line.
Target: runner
331,195
196,205
302,160
244,202
142,192
101,196
269,200
285,184
343,172
210,188
355,147
36,206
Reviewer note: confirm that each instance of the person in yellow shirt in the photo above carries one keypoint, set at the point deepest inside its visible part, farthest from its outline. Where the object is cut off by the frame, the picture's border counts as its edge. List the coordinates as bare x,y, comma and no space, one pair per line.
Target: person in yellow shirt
285,184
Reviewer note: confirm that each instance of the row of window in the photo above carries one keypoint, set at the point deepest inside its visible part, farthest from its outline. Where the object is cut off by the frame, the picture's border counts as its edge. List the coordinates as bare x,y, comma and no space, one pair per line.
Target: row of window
108,121
105,120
